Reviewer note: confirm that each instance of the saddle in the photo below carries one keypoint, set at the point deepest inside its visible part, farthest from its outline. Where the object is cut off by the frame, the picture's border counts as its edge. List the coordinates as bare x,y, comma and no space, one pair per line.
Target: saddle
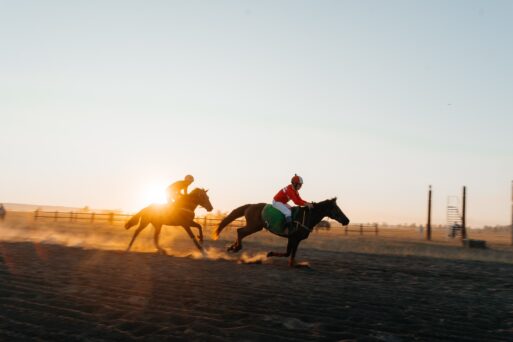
275,221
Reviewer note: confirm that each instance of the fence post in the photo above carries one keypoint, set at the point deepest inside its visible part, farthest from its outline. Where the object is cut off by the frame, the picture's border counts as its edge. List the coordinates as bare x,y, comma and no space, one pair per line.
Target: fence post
345,229
36,214
92,217
463,215
361,229
70,216
56,214
205,222
428,227
375,229
111,218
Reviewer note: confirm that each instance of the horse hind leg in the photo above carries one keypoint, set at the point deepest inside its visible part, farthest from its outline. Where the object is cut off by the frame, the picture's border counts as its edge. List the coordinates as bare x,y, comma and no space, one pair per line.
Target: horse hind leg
237,244
156,238
241,234
142,225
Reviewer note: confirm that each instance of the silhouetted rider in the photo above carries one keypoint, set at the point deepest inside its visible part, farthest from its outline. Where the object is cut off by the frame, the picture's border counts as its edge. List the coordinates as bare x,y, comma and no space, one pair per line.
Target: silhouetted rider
178,189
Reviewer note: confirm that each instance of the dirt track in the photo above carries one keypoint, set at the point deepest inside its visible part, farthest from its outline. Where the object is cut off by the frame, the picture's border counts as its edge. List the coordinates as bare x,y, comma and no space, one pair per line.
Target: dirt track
51,292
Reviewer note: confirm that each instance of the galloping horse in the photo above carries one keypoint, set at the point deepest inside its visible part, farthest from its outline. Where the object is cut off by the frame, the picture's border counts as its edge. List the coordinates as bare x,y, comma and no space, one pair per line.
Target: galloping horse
255,223
181,213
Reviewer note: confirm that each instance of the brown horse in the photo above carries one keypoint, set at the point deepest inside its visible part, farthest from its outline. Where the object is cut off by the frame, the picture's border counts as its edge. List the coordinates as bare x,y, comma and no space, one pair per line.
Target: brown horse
255,223
181,213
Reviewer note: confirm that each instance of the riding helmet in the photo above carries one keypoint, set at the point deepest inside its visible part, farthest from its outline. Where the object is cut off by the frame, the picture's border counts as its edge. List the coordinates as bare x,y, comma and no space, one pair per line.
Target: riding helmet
296,180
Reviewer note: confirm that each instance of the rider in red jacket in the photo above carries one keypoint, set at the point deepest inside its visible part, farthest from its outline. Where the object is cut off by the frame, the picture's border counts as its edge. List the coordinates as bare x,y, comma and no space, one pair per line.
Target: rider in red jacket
290,192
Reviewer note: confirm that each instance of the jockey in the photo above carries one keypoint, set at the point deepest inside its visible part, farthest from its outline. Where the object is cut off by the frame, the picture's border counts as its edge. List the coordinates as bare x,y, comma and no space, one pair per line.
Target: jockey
178,188
290,192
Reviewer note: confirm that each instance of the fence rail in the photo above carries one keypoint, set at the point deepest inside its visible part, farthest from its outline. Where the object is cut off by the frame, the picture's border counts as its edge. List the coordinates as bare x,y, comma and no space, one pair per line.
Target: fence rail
80,216
361,228
205,221
492,235
112,217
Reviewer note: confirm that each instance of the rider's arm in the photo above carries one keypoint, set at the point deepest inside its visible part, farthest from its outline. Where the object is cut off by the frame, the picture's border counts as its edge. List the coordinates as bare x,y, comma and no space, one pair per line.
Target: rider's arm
294,196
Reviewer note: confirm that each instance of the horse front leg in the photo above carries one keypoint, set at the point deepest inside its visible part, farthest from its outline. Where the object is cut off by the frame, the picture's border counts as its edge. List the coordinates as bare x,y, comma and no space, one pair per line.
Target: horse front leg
276,254
200,231
293,249
191,235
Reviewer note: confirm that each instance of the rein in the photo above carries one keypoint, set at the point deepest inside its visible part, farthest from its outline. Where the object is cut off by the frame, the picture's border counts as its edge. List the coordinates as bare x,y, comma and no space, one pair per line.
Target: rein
191,200
187,210
302,224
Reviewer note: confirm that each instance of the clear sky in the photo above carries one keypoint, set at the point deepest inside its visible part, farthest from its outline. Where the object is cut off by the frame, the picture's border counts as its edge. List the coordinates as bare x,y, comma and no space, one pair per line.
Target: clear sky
104,103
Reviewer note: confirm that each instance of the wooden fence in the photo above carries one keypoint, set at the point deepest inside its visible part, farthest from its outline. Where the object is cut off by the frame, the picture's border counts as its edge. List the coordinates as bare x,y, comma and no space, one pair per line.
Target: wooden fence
71,216
113,218
361,229
206,222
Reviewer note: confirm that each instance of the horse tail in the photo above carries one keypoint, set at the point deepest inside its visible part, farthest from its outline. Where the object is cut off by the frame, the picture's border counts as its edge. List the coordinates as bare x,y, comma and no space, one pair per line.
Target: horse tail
134,220
235,214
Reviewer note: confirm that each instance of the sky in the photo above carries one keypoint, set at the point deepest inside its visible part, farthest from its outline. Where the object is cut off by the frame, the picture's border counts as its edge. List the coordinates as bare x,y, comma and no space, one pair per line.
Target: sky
105,103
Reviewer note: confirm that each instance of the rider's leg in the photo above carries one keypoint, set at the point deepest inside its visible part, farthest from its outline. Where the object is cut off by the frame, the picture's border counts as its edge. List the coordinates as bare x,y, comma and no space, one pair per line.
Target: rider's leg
285,210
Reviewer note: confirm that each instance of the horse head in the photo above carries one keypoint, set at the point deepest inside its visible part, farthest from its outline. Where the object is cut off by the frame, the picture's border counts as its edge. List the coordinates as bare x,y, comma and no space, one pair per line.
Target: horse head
201,198
333,211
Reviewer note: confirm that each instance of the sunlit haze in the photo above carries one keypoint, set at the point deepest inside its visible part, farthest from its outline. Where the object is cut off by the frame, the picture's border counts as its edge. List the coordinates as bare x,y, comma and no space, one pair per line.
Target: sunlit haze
105,103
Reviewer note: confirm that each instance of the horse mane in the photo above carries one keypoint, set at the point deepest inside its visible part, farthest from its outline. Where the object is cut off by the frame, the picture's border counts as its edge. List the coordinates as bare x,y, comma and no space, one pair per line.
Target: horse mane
325,203
190,197
196,190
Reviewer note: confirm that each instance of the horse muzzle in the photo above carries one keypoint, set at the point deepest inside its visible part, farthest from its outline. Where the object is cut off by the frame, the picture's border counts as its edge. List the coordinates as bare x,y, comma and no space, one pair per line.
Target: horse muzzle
344,221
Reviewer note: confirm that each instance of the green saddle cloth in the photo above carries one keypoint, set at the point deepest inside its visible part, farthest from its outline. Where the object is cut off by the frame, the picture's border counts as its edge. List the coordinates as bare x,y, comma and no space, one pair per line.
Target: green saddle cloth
275,220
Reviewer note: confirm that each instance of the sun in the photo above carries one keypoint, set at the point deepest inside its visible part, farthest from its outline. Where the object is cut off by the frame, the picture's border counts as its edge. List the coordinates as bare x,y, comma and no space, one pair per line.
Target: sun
154,193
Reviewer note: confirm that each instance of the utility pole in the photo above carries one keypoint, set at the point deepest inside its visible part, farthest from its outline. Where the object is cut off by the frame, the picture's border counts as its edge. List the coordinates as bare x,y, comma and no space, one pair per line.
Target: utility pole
463,215
428,227
511,213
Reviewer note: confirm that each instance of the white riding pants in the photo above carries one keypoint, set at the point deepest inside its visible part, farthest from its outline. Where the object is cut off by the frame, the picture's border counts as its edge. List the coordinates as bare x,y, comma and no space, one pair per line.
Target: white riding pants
284,208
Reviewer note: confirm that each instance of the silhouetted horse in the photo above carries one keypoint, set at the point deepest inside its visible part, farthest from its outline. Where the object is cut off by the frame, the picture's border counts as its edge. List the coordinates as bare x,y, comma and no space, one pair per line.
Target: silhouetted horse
181,213
255,223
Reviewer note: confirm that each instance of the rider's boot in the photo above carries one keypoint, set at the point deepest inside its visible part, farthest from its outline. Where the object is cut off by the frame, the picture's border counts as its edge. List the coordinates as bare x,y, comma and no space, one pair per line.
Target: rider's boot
288,224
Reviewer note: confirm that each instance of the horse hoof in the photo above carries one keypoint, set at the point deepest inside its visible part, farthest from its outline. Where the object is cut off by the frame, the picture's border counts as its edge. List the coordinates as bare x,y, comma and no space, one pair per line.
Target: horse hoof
161,252
233,249
270,254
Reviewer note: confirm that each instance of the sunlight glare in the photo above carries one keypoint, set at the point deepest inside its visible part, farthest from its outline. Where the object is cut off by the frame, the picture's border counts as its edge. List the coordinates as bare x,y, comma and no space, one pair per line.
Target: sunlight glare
154,193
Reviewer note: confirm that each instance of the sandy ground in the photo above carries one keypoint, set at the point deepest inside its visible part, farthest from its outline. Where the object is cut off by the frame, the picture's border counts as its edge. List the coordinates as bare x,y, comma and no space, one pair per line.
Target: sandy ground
61,281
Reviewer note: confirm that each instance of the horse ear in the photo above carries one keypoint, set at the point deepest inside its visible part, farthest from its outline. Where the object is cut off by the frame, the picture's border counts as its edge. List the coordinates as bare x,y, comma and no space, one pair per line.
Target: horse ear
334,199
206,190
